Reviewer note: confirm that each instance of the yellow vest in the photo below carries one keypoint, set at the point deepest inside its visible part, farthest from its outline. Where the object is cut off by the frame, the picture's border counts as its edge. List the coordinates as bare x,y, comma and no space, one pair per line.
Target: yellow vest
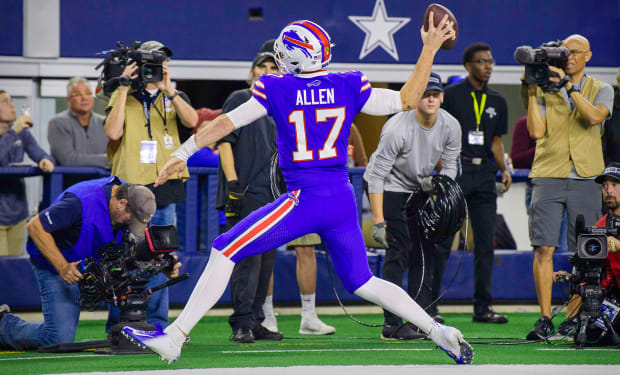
569,139
124,154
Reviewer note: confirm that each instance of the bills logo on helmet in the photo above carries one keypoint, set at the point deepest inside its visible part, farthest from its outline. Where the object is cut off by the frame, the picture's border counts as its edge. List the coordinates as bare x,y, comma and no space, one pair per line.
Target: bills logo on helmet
292,40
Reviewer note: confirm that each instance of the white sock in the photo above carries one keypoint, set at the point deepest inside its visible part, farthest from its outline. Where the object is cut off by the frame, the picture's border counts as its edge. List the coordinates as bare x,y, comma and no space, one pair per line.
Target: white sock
396,300
175,334
207,292
307,303
268,306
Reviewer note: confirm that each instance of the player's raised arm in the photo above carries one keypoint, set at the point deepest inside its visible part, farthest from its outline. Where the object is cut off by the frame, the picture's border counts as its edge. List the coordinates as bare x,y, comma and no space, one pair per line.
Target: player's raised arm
412,90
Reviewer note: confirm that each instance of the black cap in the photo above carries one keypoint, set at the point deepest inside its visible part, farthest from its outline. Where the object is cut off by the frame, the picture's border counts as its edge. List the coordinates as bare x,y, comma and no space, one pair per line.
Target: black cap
612,170
266,52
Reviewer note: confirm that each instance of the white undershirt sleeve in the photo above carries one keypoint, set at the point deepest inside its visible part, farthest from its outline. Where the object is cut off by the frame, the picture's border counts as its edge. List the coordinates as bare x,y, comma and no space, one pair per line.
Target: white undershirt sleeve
383,102
246,113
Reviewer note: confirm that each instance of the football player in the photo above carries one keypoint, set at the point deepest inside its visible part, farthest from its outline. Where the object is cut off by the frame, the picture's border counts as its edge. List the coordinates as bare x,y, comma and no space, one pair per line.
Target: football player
313,110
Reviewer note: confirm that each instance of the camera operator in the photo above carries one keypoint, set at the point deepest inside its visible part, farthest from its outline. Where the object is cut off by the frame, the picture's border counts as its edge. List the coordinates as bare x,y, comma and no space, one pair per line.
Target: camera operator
81,221
566,125
610,187
144,127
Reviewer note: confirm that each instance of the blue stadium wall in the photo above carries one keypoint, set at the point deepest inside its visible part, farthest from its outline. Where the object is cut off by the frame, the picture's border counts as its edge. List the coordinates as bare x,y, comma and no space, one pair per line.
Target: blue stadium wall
223,30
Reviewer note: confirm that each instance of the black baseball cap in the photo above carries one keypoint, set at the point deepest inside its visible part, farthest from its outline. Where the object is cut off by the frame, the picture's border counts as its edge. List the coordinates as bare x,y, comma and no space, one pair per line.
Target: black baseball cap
612,170
266,52
434,82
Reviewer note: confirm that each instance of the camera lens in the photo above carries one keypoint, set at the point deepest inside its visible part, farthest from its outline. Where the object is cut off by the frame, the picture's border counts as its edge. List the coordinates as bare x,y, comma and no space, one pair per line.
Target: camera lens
592,246
148,72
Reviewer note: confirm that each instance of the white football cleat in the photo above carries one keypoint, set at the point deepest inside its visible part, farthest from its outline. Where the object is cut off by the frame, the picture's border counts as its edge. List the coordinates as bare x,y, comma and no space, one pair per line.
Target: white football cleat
451,341
312,325
158,341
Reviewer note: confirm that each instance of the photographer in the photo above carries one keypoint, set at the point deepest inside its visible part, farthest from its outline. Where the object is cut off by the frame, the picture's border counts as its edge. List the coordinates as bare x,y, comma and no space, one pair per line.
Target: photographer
144,122
61,237
566,125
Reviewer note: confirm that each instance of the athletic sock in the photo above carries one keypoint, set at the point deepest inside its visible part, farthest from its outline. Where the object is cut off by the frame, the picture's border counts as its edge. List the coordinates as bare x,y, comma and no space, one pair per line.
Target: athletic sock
268,306
207,292
175,334
308,303
396,300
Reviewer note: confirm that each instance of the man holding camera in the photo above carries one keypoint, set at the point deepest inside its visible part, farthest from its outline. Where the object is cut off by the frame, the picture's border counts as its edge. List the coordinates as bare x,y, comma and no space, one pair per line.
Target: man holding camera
83,219
566,125
143,127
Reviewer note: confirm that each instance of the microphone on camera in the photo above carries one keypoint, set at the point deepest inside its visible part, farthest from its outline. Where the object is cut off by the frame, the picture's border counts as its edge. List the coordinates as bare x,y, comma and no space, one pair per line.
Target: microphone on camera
525,55
580,225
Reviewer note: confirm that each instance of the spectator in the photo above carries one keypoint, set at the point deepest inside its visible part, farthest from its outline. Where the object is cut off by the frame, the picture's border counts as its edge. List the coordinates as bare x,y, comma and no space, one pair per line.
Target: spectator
141,142
483,115
410,147
359,151
61,236
566,126
611,137
15,139
76,136
244,186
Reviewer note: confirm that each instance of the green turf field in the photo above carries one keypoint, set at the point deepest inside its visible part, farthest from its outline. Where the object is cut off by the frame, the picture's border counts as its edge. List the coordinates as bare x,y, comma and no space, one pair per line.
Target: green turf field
351,345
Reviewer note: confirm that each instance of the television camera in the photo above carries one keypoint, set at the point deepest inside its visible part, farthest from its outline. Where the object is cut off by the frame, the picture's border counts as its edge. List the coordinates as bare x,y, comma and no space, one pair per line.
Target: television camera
597,314
149,63
537,62
118,274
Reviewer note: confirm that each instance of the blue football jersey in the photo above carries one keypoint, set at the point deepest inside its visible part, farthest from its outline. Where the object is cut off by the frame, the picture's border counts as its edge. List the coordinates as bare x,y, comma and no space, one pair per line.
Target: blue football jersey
313,115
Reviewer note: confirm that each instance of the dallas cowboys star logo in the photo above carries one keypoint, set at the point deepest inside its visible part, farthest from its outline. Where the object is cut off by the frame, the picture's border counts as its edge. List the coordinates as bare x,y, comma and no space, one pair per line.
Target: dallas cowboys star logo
380,30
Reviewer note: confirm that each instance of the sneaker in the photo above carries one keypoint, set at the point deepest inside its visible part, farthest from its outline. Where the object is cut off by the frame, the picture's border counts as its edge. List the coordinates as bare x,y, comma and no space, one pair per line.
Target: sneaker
312,325
451,341
243,336
158,341
542,329
405,331
262,333
270,323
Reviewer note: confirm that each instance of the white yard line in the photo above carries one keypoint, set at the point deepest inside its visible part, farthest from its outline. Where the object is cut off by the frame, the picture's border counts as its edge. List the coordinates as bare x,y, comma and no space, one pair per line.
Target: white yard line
385,370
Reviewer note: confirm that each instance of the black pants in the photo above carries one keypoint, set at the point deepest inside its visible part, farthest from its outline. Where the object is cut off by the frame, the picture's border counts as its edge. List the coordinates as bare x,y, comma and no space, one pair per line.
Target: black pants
478,185
249,281
407,251
440,259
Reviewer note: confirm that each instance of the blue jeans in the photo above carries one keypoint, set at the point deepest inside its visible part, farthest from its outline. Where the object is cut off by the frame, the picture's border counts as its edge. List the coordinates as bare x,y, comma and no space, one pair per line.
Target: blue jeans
61,312
157,310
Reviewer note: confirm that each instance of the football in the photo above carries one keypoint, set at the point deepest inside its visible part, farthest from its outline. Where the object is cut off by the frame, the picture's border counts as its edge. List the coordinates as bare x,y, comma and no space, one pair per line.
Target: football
438,12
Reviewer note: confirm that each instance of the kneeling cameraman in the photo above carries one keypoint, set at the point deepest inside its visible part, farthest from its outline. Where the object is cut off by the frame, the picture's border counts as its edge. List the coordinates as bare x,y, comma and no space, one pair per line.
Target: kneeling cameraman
82,220
610,282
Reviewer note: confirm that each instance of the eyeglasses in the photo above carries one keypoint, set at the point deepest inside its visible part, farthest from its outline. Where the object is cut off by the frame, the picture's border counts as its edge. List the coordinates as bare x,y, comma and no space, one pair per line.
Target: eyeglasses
577,51
484,62
82,94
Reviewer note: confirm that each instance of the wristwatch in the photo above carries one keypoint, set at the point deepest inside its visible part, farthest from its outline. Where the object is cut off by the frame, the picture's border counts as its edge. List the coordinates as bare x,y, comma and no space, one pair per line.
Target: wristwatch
173,95
124,80
571,90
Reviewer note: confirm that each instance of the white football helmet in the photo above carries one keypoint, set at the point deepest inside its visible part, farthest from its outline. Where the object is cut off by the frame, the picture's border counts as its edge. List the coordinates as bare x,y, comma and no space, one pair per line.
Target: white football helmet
303,46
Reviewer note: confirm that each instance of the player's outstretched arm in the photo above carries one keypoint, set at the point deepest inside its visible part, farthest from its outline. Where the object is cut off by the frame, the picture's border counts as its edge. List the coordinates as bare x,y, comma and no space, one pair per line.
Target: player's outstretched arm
209,134
412,90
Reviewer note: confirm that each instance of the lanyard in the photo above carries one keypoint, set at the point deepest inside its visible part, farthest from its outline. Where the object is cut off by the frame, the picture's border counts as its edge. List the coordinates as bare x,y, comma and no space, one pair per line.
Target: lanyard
478,110
147,114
